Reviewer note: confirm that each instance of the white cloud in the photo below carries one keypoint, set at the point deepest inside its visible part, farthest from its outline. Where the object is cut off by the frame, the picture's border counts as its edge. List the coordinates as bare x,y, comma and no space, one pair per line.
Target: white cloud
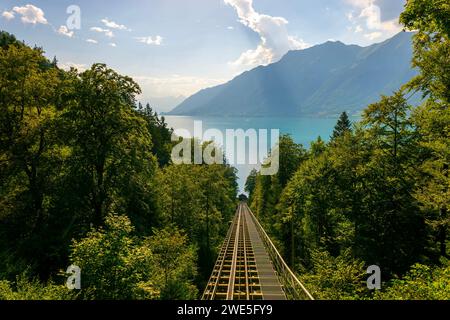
373,35
113,25
157,41
349,16
106,32
370,15
8,15
63,30
109,34
175,85
68,65
31,14
274,38
230,28
92,41
254,57
360,3
113,45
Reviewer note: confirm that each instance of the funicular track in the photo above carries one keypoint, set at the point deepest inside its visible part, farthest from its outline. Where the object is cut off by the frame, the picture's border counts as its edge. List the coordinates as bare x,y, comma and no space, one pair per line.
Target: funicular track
249,267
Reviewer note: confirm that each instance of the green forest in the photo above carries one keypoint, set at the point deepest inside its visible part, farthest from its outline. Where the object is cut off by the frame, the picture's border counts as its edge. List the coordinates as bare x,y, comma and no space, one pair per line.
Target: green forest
376,194
86,179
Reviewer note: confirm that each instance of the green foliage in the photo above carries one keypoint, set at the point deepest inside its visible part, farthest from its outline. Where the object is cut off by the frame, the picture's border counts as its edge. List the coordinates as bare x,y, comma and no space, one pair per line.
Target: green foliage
161,134
342,127
380,193
313,212
30,155
25,289
291,155
430,18
75,149
427,16
250,183
433,124
420,283
113,266
390,178
356,194
116,265
111,146
199,199
80,163
267,189
336,278
387,122
7,39
175,264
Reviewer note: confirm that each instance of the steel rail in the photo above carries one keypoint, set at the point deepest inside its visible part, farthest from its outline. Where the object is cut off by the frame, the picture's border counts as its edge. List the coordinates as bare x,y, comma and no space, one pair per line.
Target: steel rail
247,289
220,261
280,265
232,280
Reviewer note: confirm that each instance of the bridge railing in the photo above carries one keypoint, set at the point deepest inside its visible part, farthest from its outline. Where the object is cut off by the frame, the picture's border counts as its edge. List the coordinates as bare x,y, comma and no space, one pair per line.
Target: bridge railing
293,288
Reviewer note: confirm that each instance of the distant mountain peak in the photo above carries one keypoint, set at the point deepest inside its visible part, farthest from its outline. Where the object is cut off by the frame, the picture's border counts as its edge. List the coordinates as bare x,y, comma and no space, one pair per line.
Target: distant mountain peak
325,79
335,42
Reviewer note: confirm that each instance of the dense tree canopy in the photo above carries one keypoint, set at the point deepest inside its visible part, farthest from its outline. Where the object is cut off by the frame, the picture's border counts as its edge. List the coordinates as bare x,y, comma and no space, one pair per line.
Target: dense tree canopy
378,193
86,178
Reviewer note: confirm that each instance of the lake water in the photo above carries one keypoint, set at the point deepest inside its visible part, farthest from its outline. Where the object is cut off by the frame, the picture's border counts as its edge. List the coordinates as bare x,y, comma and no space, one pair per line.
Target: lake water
302,130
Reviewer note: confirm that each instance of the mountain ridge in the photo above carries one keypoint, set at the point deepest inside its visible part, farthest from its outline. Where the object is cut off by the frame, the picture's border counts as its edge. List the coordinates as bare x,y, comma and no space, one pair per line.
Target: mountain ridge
325,79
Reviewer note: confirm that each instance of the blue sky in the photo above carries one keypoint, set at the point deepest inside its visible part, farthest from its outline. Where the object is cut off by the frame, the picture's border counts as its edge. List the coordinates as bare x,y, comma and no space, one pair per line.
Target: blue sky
176,47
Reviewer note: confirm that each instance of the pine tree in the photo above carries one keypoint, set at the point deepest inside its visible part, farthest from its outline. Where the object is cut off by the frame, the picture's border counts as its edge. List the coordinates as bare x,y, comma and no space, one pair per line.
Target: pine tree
54,62
7,39
342,126
250,183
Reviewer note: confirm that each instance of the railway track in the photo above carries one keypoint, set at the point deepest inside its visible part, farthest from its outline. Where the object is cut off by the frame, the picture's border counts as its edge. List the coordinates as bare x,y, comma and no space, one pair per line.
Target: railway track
244,269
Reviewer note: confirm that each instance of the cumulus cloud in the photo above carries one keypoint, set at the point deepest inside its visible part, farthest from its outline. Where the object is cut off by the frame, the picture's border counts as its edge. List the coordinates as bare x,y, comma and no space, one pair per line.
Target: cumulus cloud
106,32
157,41
274,38
113,25
112,44
370,15
30,14
92,41
63,30
8,15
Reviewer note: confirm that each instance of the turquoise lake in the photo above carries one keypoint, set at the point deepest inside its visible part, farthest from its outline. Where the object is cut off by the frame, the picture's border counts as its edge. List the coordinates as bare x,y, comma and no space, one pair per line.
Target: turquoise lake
302,130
